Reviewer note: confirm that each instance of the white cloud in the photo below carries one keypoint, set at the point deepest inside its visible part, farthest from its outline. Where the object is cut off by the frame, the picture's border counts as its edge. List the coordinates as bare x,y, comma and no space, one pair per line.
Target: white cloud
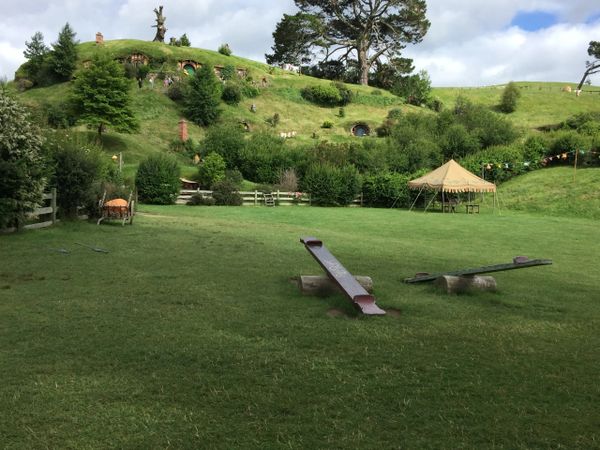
469,43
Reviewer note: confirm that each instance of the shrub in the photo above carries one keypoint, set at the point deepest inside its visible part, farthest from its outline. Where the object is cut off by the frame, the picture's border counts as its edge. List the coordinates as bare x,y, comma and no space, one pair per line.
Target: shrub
224,49
342,112
211,170
21,170
568,141
510,95
414,88
327,124
274,120
327,95
288,180
177,90
395,114
157,180
59,115
505,161
330,185
235,176
200,200
232,94
227,140
225,194
228,72
76,166
386,190
188,148
435,104
264,157
249,90
345,92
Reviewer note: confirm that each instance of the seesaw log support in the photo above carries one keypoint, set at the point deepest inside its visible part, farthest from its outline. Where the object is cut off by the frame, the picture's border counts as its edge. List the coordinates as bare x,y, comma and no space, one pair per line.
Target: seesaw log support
357,294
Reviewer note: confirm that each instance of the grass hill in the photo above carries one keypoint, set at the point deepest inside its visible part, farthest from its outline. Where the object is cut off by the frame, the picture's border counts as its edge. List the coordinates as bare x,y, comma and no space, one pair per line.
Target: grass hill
541,104
557,191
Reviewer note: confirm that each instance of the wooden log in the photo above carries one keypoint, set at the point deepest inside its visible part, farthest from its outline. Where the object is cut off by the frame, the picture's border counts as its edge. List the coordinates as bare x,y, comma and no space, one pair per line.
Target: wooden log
456,285
322,286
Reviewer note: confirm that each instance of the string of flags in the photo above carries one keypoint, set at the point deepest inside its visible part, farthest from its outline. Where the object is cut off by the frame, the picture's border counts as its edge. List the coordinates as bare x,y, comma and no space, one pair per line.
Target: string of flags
563,156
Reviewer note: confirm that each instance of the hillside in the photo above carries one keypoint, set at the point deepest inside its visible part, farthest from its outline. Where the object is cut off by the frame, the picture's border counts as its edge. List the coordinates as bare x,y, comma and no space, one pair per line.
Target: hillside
557,191
541,104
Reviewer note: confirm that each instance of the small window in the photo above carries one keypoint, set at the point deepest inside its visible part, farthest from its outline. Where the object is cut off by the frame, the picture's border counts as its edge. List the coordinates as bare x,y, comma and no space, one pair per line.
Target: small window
361,130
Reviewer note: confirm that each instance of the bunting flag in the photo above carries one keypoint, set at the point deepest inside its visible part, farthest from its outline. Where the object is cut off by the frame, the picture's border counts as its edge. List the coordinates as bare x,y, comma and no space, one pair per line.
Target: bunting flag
544,161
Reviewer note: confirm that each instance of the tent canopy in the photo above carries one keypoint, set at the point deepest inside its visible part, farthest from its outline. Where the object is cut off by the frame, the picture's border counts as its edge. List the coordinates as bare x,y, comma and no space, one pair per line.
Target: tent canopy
452,177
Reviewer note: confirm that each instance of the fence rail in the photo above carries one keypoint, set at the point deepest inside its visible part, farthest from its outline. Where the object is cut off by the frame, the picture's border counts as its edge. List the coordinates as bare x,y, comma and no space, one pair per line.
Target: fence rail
257,198
49,211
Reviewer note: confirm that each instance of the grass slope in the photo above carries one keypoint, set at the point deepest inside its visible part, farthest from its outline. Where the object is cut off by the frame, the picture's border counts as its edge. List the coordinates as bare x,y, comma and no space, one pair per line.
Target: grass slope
558,191
188,334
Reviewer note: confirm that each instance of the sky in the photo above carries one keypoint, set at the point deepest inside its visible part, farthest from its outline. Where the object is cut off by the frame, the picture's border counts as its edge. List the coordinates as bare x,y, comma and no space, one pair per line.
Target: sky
469,43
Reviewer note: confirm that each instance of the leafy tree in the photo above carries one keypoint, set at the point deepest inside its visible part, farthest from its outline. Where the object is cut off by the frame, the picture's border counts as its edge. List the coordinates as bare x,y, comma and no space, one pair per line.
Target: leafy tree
591,66
204,96
21,167
76,167
35,52
211,169
414,88
224,49
226,140
510,95
343,29
185,41
63,58
157,179
101,96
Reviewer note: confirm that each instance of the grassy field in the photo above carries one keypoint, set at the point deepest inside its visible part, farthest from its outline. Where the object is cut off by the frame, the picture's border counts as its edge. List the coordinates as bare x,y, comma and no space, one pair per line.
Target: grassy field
189,334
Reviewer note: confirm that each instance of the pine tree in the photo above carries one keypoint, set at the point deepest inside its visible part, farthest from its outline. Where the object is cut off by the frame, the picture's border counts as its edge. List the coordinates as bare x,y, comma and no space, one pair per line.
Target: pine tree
202,101
185,41
101,96
64,54
35,52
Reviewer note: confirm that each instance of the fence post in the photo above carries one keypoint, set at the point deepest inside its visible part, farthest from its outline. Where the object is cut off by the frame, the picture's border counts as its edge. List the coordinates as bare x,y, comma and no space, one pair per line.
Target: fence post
53,205
255,197
278,196
361,199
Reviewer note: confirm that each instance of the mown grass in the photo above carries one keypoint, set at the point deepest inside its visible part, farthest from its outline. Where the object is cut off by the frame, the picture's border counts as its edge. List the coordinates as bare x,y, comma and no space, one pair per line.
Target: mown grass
189,334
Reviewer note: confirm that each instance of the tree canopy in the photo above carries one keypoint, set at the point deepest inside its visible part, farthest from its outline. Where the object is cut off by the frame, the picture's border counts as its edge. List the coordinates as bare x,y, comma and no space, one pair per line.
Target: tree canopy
64,54
591,66
101,96
204,96
370,31
21,168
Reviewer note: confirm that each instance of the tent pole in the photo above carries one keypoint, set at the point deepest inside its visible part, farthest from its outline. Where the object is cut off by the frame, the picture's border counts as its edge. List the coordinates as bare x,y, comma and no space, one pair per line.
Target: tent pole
443,201
418,195
430,201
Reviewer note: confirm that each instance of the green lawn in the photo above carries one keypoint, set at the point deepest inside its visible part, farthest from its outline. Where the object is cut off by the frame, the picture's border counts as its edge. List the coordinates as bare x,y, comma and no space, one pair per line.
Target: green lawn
189,334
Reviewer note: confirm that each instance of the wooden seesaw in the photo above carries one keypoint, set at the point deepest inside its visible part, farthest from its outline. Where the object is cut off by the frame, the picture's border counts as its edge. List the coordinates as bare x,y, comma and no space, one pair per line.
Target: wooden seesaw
343,279
461,280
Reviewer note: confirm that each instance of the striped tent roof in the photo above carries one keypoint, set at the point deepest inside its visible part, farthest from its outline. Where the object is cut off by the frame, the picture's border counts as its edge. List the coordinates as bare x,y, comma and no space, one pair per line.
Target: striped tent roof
452,177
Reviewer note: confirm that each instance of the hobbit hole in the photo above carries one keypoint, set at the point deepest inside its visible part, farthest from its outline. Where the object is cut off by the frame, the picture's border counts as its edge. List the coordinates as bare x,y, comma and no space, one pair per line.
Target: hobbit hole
361,130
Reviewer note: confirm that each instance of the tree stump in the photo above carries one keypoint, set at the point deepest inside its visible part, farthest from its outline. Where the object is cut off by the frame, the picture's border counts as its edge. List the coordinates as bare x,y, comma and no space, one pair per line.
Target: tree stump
323,286
458,285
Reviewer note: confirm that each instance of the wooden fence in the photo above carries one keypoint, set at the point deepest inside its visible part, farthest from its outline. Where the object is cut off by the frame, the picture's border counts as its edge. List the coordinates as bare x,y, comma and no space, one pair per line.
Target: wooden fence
257,198
44,216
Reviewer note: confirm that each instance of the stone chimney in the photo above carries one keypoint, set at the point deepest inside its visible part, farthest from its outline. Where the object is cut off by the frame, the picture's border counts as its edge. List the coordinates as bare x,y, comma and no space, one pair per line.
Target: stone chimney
183,131
99,38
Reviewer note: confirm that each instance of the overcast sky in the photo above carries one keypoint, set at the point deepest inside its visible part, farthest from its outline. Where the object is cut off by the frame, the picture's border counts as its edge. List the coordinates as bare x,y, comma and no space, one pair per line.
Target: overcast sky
470,43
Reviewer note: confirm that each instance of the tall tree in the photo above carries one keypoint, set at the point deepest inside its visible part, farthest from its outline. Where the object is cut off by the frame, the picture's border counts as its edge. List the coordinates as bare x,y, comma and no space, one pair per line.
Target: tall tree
367,30
591,66
21,168
64,54
35,52
294,37
101,96
204,96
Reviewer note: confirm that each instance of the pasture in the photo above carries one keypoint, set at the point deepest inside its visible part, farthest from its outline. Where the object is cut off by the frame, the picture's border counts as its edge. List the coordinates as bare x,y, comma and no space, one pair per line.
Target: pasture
189,333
